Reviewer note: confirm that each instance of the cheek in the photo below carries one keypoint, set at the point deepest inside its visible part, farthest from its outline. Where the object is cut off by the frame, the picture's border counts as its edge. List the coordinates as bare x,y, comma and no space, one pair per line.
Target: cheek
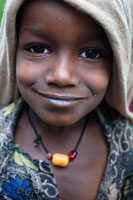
100,81
97,80
26,72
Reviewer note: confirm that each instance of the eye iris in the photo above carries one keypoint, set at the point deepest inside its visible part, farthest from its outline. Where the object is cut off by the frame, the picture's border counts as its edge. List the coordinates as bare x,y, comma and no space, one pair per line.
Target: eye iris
91,54
38,49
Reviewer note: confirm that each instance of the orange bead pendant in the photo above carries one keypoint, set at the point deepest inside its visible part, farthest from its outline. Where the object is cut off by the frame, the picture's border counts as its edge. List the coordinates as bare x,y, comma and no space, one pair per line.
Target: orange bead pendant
60,160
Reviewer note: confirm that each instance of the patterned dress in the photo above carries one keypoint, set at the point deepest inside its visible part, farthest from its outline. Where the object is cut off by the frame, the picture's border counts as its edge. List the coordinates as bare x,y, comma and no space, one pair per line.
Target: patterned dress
24,178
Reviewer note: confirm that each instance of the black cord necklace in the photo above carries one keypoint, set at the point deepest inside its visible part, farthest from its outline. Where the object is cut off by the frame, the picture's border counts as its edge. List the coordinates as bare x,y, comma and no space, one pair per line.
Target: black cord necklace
60,160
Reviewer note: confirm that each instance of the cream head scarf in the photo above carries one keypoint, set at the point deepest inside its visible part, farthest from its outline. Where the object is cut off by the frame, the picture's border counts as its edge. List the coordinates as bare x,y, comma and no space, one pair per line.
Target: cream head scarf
116,18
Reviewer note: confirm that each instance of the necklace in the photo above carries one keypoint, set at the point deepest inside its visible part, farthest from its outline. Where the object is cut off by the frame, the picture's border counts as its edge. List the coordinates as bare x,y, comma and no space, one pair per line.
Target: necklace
60,160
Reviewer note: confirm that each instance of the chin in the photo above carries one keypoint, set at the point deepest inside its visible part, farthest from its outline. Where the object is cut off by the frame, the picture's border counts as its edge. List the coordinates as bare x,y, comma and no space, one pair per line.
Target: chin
61,122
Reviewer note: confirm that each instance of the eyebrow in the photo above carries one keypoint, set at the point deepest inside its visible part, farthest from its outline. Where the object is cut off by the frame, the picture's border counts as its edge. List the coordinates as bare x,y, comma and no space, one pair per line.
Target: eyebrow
33,31
42,34
96,37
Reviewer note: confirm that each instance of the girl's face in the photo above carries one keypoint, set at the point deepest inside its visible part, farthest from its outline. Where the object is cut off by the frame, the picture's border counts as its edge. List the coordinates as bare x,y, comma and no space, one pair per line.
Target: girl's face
63,62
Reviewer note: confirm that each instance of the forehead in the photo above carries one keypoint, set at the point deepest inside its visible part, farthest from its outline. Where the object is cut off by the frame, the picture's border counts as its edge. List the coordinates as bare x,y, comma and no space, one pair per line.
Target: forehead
56,14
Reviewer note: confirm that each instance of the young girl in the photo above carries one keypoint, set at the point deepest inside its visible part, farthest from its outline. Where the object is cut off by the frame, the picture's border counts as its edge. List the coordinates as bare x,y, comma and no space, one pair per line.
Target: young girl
67,136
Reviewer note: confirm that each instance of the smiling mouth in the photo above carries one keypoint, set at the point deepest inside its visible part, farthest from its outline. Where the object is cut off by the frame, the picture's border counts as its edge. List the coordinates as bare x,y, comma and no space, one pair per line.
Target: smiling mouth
62,100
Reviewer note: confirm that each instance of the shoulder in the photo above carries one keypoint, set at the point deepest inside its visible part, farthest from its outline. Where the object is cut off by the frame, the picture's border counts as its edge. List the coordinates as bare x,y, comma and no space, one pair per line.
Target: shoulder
10,111
119,133
8,118
122,135
117,128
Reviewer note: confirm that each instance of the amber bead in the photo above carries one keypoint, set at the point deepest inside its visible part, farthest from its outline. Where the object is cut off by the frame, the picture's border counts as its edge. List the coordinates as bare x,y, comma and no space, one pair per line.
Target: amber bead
60,160
72,155
49,156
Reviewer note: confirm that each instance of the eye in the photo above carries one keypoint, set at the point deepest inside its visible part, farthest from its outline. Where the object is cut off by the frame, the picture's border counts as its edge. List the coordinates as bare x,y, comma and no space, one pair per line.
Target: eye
92,54
38,49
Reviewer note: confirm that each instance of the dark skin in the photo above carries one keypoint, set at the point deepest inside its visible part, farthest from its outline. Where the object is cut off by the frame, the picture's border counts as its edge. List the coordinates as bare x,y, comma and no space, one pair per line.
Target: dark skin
63,66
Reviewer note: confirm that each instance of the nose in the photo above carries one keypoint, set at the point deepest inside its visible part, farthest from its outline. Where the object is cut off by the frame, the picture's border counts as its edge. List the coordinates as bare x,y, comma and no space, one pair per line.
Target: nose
63,72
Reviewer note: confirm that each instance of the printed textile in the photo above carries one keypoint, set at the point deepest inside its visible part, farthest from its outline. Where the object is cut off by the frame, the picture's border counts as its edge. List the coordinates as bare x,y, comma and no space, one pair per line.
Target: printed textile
24,178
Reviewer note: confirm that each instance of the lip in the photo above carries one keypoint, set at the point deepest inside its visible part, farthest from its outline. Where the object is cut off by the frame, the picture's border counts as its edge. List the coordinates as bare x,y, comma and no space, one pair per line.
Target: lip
62,97
61,100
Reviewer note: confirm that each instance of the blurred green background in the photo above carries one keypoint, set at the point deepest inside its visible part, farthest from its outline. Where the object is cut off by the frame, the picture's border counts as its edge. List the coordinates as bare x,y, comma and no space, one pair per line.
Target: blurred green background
2,3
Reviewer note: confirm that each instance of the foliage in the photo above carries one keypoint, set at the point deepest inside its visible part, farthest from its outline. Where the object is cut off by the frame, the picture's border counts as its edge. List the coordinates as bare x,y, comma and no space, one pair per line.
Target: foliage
2,3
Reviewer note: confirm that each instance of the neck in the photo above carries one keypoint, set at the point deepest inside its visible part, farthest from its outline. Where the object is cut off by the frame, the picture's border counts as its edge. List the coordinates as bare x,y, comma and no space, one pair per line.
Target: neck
56,158
45,128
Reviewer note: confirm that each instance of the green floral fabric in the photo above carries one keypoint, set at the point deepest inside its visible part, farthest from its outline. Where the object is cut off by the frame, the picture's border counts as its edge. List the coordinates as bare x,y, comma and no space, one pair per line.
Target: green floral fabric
27,178
24,178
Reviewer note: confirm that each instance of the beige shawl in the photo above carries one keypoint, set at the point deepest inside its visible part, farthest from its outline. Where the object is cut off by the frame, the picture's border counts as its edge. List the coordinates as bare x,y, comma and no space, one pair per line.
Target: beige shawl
115,16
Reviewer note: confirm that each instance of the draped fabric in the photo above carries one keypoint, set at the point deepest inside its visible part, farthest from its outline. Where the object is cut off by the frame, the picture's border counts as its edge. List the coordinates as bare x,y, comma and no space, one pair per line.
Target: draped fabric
22,177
